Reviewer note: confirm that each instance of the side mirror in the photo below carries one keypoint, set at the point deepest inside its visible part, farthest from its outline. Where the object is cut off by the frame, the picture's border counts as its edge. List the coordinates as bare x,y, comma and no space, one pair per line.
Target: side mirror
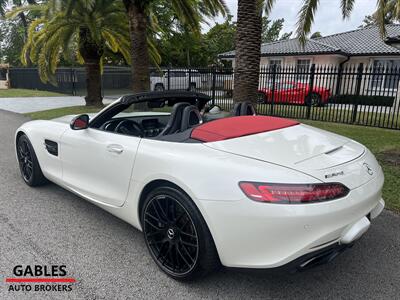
80,122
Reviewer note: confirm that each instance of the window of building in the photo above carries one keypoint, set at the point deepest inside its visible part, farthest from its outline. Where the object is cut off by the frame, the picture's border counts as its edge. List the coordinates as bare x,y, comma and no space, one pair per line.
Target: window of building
303,68
275,62
385,74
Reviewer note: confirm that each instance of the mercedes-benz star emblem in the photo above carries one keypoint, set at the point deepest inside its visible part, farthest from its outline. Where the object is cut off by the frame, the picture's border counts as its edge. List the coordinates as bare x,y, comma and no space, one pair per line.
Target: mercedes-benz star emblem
368,168
170,233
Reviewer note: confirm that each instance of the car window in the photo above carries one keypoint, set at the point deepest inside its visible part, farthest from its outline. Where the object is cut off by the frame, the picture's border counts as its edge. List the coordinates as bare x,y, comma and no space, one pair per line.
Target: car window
177,74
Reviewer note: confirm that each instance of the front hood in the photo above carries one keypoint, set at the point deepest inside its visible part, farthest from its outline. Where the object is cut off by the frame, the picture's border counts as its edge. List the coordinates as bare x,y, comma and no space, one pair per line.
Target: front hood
303,148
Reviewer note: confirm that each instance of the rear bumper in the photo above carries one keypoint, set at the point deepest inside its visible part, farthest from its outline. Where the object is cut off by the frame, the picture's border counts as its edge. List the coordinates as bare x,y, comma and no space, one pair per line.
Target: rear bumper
316,258
249,234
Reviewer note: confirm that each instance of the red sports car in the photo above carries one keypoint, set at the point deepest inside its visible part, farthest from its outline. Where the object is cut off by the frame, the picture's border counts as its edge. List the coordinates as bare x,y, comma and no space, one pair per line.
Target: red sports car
294,93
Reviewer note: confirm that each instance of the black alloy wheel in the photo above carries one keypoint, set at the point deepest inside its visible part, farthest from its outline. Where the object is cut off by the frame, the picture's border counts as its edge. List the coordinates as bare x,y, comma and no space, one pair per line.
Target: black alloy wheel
314,100
176,235
25,160
28,163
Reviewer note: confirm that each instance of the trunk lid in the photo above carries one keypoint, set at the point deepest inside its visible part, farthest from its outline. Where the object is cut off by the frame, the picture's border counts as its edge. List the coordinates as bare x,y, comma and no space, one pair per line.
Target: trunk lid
304,148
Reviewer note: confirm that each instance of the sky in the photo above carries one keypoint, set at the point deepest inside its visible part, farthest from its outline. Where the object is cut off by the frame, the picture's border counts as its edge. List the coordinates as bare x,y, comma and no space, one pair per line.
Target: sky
328,19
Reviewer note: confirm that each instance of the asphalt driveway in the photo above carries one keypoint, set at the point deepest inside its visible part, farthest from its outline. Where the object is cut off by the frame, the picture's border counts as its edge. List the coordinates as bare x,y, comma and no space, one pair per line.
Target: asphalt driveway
32,104
50,226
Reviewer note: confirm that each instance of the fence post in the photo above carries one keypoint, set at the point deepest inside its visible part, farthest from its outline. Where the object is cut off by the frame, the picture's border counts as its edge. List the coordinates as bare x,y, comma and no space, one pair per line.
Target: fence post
310,90
214,80
358,90
168,78
339,80
273,88
190,78
73,91
102,85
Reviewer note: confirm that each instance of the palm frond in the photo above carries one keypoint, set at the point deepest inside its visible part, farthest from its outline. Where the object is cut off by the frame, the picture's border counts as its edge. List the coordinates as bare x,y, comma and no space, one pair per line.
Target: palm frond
380,16
346,7
3,6
268,5
305,19
27,8
397,9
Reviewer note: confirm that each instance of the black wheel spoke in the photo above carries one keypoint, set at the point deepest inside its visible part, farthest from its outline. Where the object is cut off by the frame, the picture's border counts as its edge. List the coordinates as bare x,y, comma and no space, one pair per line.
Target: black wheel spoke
188,235
182,256
189,244
187,253
152,225
156,219
154,233
160,210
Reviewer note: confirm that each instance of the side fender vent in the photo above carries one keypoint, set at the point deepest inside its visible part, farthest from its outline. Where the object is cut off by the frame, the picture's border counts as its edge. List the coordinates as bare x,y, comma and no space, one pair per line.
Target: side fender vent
51,147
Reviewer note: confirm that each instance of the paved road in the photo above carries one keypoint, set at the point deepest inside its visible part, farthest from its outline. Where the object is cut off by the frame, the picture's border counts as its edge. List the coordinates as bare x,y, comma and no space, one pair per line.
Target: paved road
49,225
31,104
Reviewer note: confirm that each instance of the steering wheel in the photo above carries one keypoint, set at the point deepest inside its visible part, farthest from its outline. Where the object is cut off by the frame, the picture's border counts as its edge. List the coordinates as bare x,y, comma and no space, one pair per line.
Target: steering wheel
130,127
110,125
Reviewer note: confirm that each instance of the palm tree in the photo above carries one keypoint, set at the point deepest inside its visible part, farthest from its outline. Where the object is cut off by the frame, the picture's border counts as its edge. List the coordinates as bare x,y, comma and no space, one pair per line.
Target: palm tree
77,29
247,56
247,44
141,16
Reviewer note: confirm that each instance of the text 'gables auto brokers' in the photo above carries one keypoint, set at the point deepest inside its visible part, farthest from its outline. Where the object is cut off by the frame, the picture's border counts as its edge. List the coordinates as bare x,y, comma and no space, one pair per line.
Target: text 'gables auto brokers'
40,278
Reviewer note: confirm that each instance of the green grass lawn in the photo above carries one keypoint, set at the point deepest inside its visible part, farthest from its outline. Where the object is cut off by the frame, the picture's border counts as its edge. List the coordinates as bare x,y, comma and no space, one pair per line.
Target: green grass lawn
384,143
12,93
59,112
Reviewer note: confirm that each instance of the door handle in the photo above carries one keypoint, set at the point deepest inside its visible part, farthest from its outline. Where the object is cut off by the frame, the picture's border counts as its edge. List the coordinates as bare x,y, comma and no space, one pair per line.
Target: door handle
115,149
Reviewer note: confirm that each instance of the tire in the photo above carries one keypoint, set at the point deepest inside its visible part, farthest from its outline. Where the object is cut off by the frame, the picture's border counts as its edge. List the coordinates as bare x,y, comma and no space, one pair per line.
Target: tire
28,163
261,98
177,236
192,87
313,99
159,87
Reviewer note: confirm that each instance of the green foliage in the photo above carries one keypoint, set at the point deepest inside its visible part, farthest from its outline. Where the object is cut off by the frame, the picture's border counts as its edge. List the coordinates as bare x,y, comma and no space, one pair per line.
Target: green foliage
66,28
11,41
179,46
316,35
363,100
271,29
386,13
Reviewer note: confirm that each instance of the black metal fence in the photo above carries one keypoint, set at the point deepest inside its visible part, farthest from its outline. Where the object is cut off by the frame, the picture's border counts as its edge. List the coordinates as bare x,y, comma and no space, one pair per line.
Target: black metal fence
364,95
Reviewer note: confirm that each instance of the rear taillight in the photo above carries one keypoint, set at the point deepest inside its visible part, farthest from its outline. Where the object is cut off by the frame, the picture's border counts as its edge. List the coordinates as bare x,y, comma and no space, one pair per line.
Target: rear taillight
282,193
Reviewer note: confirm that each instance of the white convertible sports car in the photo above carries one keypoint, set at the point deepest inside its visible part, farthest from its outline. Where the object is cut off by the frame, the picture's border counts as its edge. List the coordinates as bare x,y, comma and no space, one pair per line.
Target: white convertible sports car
208,189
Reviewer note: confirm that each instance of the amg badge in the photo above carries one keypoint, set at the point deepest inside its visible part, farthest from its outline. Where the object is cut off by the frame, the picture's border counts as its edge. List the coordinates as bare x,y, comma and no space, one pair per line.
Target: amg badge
334,174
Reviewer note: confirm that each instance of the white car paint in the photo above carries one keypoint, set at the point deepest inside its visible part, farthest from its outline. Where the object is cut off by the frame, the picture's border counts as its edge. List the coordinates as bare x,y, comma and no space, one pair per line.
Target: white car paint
246,233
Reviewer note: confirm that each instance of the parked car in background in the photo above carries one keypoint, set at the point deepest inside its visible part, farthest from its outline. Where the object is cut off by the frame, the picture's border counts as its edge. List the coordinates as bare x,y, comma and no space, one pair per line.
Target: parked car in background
294,93
175,80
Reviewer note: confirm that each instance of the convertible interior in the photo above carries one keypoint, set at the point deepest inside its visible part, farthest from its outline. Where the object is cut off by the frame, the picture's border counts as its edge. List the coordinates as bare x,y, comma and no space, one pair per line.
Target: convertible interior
177,125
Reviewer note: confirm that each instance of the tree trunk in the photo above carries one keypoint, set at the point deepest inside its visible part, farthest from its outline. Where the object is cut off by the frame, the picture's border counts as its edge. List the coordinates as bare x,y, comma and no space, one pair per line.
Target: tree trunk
91,53
247,57
25,25
140,62
93,82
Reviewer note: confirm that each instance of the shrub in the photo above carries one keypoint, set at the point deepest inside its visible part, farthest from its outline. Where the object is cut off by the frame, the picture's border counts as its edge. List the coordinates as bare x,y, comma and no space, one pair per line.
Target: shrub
363,100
